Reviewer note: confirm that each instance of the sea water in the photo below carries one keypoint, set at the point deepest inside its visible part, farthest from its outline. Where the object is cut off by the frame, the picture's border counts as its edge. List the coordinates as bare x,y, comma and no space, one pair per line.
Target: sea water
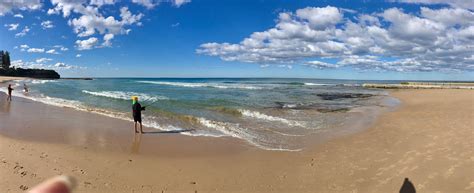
271,114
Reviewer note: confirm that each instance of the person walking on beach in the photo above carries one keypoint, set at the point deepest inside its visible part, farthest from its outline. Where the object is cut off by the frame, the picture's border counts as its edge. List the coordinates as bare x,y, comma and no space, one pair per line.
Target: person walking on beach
137,114
10,89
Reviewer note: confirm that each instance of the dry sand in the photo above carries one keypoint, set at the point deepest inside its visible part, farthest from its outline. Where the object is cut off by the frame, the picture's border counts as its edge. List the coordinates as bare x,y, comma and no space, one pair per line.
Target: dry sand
429,139
8,78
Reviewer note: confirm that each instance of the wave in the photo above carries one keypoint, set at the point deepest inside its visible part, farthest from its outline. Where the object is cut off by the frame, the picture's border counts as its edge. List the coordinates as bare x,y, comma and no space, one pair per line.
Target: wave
211,85
316,84
233,130
125,95
34,81
258,115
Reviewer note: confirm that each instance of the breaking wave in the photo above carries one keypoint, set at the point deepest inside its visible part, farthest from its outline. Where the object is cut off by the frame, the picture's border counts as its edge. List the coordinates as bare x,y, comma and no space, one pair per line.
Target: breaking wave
125,95
258,115
212,85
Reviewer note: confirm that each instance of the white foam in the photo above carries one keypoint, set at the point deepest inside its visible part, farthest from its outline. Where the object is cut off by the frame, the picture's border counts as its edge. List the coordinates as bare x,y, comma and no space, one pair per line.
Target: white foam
35,81
125,95
233,130
316,84
258,115
212,85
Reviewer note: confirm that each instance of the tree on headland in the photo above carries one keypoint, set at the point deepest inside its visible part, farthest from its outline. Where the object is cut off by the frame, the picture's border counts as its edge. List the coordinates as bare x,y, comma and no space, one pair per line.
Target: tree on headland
5,69
5,58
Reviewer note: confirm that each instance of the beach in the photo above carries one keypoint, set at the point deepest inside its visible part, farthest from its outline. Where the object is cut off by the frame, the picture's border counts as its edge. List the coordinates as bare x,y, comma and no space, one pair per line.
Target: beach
428,139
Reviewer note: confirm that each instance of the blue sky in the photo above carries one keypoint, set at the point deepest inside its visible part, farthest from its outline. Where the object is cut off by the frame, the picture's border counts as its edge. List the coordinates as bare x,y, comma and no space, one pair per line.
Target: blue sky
407,39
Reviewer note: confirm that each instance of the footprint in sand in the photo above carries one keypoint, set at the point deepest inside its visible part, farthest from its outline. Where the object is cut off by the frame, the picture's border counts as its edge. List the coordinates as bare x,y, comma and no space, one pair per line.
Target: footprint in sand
23,187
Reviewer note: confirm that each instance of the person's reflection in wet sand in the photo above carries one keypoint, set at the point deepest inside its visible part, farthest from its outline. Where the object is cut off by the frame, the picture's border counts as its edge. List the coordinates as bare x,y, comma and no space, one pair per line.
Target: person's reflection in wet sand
6,107
136,143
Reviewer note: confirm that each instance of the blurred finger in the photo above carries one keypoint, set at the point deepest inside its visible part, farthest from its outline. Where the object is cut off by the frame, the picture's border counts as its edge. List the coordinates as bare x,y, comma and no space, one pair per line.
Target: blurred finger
59,184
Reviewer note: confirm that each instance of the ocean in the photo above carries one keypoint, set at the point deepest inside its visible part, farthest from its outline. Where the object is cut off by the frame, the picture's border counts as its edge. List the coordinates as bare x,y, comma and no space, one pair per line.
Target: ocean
271,114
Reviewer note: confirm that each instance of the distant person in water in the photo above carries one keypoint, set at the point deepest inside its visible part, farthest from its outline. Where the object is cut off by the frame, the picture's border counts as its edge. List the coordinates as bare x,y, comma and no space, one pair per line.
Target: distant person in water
137,113
10,89
25,88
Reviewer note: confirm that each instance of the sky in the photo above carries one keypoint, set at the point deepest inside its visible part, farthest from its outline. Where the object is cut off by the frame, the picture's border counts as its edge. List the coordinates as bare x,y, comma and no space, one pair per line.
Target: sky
345,39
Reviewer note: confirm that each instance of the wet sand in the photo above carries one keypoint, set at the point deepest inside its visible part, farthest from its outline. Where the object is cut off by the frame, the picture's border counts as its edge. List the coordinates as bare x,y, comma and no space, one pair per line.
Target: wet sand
429,139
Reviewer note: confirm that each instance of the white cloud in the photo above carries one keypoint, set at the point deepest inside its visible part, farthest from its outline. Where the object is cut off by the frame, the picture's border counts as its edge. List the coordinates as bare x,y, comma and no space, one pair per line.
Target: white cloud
23,32
149,4
18,15
175,24
86,44
62,48
6,6
321,65
35,50
23,47
78,55
52,51
47,24
100,3
178,3
285,66
43,60
320,18
41,64
467,4
91,20
12,26
87,17
432,40
107,39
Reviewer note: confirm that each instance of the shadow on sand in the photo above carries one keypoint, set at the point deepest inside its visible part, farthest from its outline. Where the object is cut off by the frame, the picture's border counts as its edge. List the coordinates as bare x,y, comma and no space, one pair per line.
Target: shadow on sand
407,187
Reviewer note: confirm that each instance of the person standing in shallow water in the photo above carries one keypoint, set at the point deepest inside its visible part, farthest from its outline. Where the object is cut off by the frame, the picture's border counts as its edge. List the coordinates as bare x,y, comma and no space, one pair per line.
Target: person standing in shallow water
25,88
10,89
137,114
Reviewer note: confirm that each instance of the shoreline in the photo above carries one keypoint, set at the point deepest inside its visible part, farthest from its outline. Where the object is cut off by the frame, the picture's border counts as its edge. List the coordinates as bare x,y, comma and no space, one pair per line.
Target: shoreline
356,119
376,159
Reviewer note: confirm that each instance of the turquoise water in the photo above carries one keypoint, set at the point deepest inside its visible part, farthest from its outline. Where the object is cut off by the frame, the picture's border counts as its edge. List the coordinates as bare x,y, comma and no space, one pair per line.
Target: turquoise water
273,114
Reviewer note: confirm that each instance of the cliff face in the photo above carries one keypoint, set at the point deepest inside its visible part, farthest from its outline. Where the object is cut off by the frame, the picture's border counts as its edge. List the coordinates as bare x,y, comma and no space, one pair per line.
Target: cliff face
31,73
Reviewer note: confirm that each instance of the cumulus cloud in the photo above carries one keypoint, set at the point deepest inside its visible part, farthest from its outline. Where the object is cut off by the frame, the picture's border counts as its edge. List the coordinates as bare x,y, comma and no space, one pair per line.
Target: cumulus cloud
107,39
47,24
35,50
102,2
18,15
6,6
321,65
23,47
43,60
178,3
62,48
78,55
431,40
23,32
149,4
89,20
12,26
42,63
87,44
52,51
467,4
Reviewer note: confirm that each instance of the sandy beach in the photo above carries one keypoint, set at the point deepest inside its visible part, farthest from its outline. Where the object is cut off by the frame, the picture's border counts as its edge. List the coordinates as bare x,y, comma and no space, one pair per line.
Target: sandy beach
428,139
